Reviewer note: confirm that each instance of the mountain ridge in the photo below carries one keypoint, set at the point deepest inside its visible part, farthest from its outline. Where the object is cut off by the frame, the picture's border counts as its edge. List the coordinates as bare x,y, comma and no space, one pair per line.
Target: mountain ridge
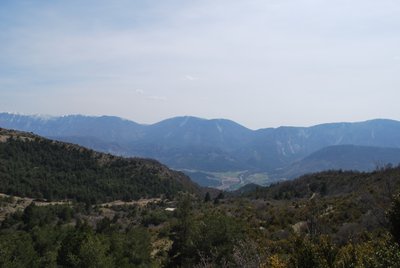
344,157
211,145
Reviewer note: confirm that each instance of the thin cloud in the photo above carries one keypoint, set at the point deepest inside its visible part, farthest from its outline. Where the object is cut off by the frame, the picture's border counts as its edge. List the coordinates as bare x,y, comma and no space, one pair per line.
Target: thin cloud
139,91
156,98
191,77
150,97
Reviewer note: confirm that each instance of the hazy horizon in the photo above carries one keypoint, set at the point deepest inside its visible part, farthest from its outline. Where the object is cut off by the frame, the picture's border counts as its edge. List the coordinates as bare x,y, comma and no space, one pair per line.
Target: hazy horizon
49,116
259,63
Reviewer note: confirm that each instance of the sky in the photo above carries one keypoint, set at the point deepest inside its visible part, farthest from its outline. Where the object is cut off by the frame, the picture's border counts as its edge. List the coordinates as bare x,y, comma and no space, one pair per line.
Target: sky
261,63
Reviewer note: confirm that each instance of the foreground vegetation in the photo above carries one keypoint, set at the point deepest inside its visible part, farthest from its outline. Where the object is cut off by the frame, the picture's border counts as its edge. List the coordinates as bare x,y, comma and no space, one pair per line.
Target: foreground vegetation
338,230
328,219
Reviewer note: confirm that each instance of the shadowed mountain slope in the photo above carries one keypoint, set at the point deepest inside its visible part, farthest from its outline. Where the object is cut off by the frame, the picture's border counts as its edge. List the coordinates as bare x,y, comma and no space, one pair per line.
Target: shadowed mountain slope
36,167
344,157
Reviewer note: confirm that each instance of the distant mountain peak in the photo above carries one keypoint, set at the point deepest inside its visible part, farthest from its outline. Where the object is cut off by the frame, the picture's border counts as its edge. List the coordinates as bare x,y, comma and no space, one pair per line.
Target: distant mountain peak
211,145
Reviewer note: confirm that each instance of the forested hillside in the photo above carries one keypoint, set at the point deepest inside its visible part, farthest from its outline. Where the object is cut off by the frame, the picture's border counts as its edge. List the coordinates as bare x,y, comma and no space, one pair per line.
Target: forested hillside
40,168
330,219
382,182
327,219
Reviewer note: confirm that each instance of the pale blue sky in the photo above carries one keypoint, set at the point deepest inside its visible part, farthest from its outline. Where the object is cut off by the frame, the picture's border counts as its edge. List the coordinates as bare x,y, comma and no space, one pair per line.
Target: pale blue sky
262,63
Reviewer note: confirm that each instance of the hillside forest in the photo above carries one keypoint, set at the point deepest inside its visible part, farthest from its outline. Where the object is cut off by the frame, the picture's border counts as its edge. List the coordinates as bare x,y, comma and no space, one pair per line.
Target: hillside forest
66,206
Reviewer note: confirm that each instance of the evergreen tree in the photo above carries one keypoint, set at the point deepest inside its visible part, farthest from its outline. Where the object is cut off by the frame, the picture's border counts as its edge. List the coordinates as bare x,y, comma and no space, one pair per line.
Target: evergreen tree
207,197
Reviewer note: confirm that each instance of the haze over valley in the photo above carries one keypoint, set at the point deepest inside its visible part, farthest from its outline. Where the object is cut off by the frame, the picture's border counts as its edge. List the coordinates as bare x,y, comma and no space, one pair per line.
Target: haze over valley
223,154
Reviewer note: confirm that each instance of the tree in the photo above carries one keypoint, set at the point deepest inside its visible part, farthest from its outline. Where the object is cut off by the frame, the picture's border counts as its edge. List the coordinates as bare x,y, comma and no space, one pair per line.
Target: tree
394,218
304,254
219,197
16,250
216,236
182,251
93,253
207,198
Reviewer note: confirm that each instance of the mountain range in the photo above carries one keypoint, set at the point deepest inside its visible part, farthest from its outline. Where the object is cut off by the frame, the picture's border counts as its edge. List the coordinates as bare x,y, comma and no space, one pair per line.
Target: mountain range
219,145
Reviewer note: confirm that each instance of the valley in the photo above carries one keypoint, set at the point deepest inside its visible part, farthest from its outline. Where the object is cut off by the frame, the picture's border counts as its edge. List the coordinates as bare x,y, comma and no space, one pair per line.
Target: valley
223,154
229,181
165,220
